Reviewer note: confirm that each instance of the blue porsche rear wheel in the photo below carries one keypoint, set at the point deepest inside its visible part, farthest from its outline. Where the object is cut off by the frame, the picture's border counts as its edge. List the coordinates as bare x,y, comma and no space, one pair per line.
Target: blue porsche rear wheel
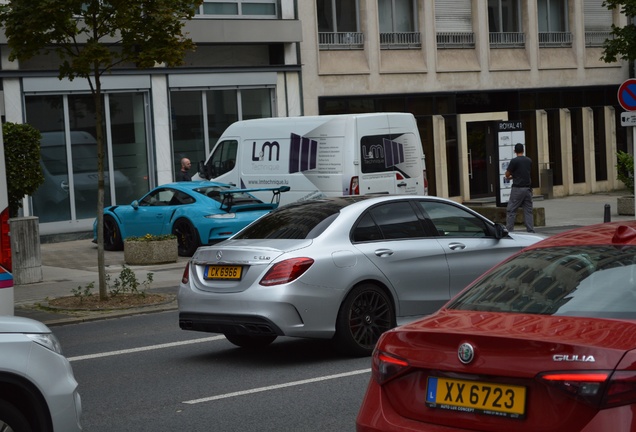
187,237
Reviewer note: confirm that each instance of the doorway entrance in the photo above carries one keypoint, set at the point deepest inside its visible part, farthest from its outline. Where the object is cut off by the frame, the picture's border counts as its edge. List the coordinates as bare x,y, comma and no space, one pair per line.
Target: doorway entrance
482,159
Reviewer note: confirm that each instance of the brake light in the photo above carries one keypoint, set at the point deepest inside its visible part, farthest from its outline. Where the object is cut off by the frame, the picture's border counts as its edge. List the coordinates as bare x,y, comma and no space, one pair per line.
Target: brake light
621,390
425,183
354,186
399,176
286,271
186,274
600,389
386,366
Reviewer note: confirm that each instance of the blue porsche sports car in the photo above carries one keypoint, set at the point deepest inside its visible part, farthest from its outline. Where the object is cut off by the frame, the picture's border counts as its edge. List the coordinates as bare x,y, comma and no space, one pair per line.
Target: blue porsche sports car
197,212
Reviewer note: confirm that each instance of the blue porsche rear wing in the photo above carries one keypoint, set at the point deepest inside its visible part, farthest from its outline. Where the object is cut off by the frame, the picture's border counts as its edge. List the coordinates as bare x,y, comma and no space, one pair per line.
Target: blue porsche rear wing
228,202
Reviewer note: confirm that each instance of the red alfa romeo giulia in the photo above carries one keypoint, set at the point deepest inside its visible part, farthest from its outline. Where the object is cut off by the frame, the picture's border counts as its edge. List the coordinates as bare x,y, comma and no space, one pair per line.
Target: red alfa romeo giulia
545,341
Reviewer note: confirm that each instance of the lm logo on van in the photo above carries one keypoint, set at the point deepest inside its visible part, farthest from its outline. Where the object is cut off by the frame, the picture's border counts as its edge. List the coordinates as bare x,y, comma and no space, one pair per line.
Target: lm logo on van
389,152
303,153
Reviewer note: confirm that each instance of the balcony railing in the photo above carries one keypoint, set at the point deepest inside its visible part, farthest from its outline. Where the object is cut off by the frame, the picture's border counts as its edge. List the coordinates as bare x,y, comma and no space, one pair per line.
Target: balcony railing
507,40
555,39
341,40
455,40
410,40
597,38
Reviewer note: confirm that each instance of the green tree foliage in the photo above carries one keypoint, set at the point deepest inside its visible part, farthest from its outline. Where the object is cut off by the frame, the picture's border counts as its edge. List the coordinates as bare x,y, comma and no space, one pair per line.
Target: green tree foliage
623,44
22,161
625,169
90,38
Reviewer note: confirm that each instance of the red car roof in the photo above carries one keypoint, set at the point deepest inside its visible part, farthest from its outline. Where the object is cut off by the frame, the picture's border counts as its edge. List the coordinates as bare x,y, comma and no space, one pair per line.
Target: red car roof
618,233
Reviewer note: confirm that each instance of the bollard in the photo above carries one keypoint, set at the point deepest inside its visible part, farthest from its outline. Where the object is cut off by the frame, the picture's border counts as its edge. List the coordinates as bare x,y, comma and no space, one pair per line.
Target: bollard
607,217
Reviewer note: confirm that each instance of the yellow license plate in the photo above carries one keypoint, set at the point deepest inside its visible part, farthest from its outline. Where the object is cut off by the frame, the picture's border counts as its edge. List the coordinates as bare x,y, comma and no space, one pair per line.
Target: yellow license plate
475,396
223,272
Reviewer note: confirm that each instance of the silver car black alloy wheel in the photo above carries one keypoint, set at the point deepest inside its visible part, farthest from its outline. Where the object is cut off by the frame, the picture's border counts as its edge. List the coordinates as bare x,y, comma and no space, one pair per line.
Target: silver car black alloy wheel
11,419
366,313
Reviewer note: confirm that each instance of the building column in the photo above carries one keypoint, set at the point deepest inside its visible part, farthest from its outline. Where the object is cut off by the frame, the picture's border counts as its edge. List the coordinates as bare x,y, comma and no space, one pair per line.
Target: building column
589,147
439,158
161,129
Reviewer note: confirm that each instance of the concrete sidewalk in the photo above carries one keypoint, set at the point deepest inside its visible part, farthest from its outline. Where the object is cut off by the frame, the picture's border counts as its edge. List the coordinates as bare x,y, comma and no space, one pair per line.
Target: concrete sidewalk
71,265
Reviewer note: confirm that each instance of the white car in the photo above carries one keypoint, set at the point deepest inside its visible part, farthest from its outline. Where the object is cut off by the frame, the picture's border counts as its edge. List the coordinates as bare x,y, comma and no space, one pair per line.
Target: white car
346,268
38,392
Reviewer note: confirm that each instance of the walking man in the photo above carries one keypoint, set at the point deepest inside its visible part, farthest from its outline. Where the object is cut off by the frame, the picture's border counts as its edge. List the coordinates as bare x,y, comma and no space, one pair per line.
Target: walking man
521,192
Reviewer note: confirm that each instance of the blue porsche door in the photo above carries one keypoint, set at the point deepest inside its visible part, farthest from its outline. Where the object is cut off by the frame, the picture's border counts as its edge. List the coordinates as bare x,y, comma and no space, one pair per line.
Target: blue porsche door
152,214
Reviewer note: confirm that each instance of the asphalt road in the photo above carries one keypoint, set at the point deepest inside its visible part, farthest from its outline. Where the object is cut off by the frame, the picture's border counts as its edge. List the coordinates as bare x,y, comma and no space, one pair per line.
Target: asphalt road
142,373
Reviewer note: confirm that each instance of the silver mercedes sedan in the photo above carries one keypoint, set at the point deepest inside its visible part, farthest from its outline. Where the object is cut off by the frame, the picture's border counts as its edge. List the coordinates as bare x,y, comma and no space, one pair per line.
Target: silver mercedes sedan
345,269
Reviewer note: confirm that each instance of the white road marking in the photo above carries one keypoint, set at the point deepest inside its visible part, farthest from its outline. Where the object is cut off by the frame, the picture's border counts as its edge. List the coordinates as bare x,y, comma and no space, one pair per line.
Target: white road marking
277,386
147,348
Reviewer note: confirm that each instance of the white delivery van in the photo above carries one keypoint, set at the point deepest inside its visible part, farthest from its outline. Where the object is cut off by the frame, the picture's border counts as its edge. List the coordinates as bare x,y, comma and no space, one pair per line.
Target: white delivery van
330,155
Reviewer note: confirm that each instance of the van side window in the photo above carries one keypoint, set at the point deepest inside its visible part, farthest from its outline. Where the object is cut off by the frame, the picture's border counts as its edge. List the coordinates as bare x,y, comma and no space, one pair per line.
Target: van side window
223,159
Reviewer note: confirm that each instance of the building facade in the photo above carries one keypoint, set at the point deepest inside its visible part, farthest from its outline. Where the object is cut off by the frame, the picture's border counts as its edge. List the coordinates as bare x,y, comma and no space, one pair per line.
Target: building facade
462,65
246,65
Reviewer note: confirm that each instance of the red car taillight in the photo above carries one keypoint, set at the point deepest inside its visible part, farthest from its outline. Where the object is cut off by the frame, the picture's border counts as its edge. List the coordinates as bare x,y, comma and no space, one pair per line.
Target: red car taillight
602,389
354,186
621,390
186,274
386,366
286,271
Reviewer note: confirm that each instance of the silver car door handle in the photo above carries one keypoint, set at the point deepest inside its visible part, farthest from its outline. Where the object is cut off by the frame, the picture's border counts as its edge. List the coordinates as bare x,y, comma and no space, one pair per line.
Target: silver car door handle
455,246
383,252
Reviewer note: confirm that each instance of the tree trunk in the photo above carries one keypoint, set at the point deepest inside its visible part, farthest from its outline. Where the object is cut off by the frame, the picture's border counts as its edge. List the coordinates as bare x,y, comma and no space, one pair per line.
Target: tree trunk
99,122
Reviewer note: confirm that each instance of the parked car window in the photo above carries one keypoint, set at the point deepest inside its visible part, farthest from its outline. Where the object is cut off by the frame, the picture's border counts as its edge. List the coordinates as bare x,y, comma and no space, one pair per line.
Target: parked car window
223,159
180,198
295,221
158,197
366,230
397,220
452,221
591,281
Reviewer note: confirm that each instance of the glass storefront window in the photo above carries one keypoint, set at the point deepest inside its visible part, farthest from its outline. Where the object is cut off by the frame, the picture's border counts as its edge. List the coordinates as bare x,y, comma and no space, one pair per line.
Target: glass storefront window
69,145
129,146
222,111
187,127
223,107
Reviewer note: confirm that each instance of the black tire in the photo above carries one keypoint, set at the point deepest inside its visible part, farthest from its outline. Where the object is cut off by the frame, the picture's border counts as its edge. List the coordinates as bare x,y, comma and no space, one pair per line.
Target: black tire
112,235
245,341
12,420
187,237
365,314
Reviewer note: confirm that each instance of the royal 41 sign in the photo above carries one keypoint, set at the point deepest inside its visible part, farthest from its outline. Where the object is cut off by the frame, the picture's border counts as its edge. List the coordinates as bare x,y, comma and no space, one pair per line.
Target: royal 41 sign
509,133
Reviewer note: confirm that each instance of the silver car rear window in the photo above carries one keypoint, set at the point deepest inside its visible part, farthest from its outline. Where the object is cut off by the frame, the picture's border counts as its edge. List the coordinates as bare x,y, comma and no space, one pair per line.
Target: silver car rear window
295,221
590,281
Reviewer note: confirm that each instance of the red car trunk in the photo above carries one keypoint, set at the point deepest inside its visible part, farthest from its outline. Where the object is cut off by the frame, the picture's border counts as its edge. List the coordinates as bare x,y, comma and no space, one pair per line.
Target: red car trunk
527,371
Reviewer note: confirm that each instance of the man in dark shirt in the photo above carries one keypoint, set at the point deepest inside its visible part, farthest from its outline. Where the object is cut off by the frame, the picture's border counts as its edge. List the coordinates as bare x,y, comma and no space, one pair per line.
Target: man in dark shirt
183,174
521,192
